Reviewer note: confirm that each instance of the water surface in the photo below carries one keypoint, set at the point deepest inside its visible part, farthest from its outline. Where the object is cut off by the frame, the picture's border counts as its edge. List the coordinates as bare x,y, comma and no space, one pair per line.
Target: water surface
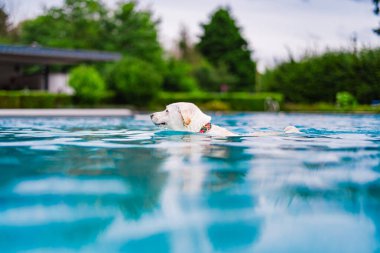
122,185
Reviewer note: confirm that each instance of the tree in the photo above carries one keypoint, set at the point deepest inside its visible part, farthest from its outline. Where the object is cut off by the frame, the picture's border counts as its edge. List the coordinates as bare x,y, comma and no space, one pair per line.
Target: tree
376,11
223,45
134,32
186,49
4,23
88,24
76,24
190,67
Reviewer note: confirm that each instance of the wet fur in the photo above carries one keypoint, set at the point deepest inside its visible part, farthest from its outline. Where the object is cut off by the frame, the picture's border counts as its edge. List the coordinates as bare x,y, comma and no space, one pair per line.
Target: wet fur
185,116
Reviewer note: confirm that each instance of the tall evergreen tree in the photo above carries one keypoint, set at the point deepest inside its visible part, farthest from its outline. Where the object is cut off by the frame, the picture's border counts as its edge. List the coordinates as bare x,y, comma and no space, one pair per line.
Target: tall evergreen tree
223,45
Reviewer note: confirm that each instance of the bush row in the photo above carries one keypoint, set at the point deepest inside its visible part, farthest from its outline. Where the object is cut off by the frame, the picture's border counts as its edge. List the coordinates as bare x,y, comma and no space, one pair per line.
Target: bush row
319,78
33,99
331,108
236,101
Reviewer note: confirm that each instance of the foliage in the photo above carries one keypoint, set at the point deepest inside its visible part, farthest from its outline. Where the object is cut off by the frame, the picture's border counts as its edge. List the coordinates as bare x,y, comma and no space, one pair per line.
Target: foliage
7,32
314,107
134,80
212,78
88,84
33,99
345,100
238,101
76,24
88,24
318,78
223,45
376,11
208,77
186,50
192,64
216,105
328,107
134,32
178,77
4,22
224,77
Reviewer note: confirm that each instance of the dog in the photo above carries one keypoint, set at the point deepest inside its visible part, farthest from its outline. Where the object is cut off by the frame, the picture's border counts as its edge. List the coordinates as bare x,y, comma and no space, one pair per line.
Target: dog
183,116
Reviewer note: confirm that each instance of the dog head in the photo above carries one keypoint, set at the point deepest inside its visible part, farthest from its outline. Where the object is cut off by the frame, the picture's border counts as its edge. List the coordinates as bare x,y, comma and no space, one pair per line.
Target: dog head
181,117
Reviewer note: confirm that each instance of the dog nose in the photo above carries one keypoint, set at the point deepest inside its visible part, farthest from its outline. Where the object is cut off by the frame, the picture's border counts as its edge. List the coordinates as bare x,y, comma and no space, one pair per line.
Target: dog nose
151,116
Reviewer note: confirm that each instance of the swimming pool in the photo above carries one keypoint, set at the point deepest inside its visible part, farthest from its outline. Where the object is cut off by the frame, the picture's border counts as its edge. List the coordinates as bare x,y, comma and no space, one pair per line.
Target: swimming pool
120,185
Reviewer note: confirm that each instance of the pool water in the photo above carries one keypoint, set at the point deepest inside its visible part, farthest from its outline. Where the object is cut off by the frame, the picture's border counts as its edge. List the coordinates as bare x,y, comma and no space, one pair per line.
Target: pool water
122,185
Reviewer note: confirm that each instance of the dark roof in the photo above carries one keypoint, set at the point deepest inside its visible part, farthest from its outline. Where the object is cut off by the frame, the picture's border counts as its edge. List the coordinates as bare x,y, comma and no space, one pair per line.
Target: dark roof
44,55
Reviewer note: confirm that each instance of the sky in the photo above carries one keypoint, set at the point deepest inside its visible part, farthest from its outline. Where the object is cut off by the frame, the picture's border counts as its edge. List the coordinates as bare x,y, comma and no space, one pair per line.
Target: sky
273,28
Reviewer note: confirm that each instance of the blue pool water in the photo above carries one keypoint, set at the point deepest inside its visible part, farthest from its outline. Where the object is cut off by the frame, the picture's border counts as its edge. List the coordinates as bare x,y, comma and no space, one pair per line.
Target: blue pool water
121,185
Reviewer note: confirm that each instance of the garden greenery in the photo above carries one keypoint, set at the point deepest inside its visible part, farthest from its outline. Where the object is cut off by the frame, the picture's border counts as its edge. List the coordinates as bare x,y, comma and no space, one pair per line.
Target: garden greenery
134,81
88,85
319,78
345,100
220,61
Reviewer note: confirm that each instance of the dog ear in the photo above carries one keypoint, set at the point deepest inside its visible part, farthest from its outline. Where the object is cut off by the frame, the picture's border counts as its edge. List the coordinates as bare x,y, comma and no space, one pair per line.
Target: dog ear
186,115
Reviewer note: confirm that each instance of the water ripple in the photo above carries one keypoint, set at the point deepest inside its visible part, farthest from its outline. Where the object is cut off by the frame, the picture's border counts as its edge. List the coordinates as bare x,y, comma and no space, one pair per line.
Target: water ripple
120,184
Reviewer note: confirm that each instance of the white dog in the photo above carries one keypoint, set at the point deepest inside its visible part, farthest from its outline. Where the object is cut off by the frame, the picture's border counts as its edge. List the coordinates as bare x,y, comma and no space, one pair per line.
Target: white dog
184,116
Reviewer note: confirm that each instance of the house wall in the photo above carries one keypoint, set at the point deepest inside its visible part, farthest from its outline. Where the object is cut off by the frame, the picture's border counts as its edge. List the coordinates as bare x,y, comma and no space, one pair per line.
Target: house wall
58,83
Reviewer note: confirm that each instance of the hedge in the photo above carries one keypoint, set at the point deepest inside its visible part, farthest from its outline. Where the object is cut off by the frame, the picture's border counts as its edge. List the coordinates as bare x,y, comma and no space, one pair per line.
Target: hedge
237,101
318,78
33,99
329,108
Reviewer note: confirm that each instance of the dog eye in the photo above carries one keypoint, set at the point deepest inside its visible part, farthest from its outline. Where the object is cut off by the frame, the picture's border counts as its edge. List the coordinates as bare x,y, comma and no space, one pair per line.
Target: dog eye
166,110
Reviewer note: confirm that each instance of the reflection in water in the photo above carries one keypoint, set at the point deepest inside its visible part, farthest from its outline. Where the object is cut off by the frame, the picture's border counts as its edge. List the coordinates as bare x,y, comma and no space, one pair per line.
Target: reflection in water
119,185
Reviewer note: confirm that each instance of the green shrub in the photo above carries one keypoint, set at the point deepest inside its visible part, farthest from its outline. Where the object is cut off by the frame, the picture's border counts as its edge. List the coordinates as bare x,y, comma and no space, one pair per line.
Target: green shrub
216,105
318,78
326,107
317,107
33,99
88,85
345,100
134,81
9,99
37,100
178,77
211,78
238,101
205,75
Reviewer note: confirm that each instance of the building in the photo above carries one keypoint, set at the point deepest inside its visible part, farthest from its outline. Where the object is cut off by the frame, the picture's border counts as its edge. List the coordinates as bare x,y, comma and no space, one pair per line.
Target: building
15,60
